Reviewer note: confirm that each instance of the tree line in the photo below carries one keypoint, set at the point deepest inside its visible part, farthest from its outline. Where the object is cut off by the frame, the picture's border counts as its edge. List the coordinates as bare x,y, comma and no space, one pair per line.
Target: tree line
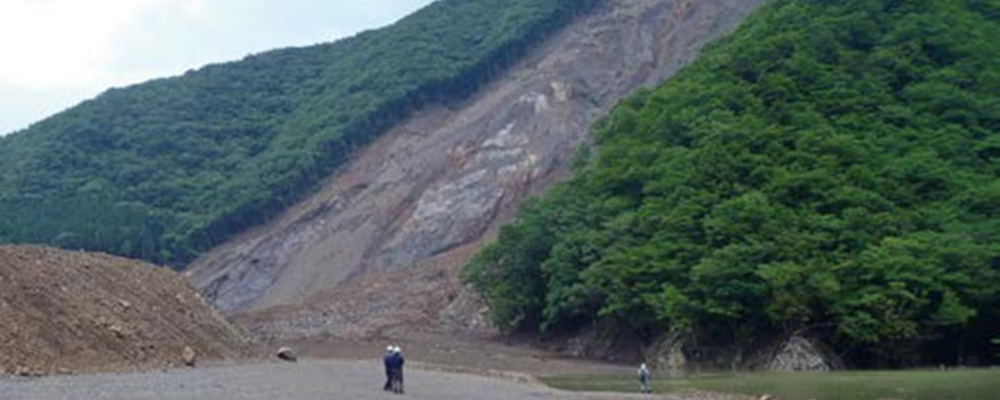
829,169
167,169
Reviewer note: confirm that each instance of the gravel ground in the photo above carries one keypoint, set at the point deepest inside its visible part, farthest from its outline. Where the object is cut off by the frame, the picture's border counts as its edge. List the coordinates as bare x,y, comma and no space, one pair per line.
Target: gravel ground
307,380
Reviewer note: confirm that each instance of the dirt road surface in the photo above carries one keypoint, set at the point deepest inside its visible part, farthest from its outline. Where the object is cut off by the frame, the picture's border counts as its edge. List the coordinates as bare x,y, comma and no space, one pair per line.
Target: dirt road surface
307,380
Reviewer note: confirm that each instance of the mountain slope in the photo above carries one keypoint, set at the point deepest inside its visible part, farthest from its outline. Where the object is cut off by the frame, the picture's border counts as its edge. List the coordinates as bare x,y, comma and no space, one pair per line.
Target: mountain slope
166,169
830,169
81,312
432,188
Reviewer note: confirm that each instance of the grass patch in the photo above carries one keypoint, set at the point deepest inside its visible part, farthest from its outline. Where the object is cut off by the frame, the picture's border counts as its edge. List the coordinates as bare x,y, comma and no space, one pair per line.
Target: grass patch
975,384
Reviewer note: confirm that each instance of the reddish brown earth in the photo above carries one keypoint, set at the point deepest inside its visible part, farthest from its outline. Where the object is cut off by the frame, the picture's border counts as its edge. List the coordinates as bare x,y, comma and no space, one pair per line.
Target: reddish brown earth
76,312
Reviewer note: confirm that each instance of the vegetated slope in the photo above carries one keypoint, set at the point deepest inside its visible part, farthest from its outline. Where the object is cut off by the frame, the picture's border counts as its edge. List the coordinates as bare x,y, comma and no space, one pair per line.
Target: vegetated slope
79,312
830,169
166,169
429,190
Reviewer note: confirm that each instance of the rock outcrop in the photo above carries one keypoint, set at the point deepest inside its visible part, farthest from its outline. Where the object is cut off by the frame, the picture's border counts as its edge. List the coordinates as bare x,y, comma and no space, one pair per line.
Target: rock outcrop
798,354
668,355
444,180
605,341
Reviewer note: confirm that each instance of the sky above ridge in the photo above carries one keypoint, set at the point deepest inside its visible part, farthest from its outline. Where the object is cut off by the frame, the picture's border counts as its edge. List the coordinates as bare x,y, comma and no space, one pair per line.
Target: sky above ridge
56,53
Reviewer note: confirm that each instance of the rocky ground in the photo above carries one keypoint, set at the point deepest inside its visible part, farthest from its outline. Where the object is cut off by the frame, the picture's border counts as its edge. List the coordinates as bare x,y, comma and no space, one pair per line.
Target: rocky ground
308,380
74,312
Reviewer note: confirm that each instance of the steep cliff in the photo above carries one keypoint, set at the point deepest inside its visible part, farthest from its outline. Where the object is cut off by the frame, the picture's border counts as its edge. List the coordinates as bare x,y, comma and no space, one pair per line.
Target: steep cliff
436,185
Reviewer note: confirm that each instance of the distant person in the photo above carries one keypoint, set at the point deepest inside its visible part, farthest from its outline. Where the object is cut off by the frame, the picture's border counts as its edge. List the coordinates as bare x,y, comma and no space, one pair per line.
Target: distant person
397,373
387,359
644,379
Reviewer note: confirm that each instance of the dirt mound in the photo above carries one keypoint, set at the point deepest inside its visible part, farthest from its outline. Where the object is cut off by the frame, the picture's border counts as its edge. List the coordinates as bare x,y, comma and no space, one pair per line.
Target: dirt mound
72,312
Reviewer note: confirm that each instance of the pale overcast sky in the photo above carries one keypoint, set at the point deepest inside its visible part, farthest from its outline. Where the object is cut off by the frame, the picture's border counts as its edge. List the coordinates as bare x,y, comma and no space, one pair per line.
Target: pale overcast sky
57,53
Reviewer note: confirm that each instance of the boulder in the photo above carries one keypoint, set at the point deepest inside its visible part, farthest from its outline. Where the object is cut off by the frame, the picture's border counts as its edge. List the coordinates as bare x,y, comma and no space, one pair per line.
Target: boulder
287,354
189,357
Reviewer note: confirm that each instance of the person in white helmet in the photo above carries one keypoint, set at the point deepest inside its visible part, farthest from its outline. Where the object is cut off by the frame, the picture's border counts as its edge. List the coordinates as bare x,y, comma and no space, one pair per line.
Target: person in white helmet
397,369
387,360
644,379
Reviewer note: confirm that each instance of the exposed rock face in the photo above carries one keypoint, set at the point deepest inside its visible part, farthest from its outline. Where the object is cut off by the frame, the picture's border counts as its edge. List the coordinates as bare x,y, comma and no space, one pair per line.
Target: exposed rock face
800,354
668,355
605,341
450,175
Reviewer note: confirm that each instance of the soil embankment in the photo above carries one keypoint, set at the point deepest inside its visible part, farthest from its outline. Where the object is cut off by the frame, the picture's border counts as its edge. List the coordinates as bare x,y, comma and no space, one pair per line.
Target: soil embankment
75,312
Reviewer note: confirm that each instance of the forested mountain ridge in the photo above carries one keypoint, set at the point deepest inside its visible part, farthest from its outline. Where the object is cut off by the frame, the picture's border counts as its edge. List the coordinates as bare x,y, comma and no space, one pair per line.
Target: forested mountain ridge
830,169
166,169
432,189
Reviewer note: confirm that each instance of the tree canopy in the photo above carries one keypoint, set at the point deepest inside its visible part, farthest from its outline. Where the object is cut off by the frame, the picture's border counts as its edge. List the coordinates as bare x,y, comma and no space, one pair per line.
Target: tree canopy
830,168
169,168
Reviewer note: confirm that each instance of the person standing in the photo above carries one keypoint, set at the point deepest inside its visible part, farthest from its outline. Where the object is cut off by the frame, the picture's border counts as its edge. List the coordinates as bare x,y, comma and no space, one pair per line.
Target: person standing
644,379
387,359
399,360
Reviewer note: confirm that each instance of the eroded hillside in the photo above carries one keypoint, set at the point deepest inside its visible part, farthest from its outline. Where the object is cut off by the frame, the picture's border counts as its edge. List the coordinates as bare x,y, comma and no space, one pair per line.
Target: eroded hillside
435,186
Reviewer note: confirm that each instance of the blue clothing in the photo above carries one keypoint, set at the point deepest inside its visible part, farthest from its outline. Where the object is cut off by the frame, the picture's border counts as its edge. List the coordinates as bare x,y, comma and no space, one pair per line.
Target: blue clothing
394,372
387,360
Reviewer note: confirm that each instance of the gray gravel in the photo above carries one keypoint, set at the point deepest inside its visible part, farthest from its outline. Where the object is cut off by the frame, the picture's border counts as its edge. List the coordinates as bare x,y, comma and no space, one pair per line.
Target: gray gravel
311,379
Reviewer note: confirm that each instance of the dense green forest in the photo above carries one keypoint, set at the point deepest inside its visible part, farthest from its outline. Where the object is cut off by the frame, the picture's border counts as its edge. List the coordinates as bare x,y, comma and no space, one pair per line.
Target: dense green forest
829,169
166,169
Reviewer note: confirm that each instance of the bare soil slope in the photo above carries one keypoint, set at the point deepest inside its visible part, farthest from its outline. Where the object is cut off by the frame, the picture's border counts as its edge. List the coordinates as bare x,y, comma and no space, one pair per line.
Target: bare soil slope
441,183
77,312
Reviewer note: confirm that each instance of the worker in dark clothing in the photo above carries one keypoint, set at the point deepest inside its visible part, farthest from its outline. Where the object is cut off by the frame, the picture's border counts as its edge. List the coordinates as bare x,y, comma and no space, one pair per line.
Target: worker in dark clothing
387,359
397,369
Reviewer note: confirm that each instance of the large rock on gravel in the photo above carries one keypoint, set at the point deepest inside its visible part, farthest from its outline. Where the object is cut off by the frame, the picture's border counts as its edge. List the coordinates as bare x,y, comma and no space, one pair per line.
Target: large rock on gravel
287,354
189,357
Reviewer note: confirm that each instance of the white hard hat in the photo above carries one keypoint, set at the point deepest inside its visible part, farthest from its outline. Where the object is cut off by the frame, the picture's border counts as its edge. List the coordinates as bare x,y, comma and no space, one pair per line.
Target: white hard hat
389,349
